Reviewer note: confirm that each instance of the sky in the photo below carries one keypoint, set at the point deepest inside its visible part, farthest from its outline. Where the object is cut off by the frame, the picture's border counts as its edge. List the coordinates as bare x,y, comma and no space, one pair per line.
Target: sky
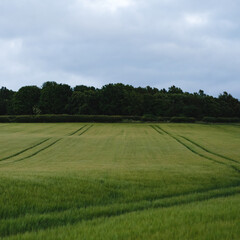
187,43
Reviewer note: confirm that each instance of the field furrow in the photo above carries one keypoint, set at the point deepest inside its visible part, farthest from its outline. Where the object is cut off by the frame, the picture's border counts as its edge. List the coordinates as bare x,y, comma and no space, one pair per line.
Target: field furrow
207,150
37,152
77,130
33,154
24,150
85,130
156,129
200,154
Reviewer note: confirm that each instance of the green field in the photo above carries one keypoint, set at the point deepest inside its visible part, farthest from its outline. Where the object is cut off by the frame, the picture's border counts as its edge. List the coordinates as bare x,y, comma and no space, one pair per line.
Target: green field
119,181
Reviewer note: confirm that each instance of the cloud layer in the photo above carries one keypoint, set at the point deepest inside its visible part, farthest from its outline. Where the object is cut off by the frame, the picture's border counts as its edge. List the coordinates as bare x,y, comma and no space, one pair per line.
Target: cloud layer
194,45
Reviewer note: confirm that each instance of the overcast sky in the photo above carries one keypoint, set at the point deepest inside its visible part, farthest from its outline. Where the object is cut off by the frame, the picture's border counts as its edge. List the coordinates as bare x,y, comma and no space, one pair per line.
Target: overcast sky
191,44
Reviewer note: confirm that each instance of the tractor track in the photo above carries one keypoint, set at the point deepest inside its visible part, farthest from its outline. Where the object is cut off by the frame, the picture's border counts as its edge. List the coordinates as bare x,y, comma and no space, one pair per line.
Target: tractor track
77,130
197,153
26,149
213,153
85,130
34,154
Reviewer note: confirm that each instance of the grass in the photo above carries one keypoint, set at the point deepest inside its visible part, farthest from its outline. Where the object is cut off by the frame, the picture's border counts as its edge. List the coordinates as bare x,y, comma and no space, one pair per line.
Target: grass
119,181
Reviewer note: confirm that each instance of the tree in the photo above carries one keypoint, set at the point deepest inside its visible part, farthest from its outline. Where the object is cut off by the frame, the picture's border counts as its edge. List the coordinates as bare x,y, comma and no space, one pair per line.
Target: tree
114,99
55,98
82,88
201,93
6,96
229,105
84,102
26,99
175,90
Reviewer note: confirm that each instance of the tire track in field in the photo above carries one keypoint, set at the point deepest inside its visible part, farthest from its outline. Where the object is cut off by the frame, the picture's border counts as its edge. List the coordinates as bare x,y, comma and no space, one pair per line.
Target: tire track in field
38,144
77,130
197,153
158,130
18,153
77,215
33,154
46,147
85,130
206,150
190,149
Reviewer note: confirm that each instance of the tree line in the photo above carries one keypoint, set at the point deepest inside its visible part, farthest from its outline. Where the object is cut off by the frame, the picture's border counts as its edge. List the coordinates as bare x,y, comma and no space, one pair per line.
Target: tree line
115,99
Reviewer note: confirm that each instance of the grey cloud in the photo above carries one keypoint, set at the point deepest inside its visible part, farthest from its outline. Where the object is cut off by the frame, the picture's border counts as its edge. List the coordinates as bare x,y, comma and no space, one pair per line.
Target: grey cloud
192,44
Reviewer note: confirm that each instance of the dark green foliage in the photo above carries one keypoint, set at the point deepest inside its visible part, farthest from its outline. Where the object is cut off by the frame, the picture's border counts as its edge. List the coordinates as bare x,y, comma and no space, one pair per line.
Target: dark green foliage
26,100
209,119
115,99
149,118
5,100
107,119
84,102
67,118
229,105
55,98
228,120
220,120
175,90
118,99
183,119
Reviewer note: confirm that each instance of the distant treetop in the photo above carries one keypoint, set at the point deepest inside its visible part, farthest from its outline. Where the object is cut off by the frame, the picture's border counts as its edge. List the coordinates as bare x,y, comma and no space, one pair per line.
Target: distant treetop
115,99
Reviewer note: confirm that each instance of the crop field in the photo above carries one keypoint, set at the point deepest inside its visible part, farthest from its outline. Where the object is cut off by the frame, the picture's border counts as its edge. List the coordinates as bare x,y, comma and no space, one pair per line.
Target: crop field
119,181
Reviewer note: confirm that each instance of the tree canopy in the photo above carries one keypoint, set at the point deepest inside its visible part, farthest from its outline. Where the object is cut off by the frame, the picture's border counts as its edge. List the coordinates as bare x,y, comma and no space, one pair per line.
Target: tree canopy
115,99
